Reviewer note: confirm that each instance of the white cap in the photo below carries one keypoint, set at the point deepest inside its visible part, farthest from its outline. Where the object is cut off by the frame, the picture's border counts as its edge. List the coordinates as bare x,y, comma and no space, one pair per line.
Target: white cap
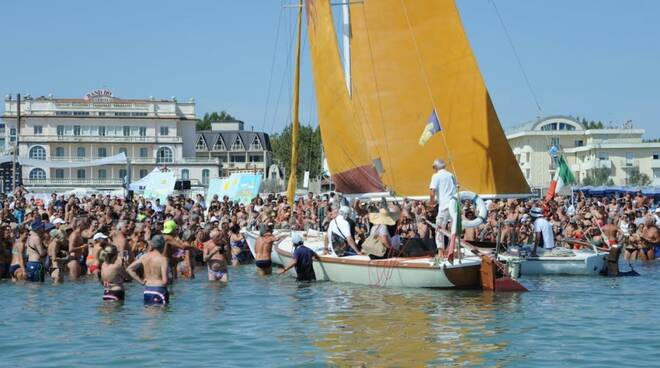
344,210
297,239
58,221
214,219
98,236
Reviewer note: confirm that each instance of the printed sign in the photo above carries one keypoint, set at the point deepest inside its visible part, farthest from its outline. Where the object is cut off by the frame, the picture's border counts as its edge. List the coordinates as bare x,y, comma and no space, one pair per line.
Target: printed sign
241,187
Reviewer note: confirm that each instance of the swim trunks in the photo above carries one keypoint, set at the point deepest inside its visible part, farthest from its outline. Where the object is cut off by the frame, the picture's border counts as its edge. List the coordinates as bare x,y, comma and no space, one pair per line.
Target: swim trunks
113,295
13,268
35,272
657,250
156,295
93,268
263,264
217,275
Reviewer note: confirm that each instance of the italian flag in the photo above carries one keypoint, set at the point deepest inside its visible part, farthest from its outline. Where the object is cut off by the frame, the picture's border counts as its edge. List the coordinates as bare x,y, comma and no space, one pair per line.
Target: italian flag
563,176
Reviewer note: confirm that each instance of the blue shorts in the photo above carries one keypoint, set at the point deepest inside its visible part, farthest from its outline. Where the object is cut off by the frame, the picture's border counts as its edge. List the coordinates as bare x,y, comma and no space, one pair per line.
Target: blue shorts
156,295
35,272
13,268
657,250
217,275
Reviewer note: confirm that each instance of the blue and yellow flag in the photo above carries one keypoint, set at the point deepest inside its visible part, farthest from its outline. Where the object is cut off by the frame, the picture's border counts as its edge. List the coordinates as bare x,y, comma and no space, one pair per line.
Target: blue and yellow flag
432,126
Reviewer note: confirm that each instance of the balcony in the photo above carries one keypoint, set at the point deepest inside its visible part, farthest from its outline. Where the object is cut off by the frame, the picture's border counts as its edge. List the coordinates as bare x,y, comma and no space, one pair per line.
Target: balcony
630,164
98,139
72,182
596,164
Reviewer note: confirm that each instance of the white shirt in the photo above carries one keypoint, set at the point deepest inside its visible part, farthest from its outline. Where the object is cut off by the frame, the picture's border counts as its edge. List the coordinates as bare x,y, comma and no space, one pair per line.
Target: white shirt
338,226
444,184
544,227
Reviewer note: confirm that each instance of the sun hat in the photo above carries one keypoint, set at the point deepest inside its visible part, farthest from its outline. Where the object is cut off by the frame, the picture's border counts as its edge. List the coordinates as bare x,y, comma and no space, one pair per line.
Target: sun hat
382,217
169,226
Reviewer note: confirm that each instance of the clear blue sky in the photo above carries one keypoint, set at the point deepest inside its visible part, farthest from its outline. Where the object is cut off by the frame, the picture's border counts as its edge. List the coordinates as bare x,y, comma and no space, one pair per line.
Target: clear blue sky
593,58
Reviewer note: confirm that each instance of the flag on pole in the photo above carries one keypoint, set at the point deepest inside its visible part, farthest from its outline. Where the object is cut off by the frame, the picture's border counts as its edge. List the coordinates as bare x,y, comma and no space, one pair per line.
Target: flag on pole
432,126
563,177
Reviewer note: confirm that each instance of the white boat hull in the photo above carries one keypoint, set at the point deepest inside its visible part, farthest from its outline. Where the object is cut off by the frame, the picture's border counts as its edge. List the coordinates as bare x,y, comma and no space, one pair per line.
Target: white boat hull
581,263
393,272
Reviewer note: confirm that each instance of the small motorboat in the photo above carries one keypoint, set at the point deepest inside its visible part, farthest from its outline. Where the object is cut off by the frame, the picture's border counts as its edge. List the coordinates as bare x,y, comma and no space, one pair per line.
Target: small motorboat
557,261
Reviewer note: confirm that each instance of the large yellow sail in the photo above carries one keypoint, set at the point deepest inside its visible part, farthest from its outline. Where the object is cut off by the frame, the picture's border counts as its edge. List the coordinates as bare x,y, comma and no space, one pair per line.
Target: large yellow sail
410,57
343,142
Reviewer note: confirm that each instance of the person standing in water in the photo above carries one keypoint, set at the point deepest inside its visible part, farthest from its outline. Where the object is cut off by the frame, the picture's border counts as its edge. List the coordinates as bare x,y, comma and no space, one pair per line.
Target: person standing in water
215,256
37,252
154,265
112,274
303,260
262,249
443,189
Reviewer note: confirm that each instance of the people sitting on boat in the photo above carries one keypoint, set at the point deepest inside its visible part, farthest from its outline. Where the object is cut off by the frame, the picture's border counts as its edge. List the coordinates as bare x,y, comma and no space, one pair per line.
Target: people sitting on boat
303,260
544,235
339,235
443,189
379,243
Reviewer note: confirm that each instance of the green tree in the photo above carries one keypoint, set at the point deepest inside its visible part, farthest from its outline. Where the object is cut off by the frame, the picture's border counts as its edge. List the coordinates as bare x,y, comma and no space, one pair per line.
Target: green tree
309,150
205,123
638,179
600,176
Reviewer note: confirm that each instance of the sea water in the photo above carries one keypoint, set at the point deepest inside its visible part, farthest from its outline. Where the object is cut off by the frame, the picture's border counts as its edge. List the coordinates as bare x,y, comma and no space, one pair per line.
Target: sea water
275,322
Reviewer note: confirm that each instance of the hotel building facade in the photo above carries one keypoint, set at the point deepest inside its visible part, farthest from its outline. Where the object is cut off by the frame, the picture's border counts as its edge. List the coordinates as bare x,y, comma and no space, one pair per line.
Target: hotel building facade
620,150
150,132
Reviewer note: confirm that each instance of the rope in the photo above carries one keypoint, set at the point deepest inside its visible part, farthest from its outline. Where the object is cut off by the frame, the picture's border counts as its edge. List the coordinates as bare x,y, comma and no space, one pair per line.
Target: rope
515,53
272,67
428,87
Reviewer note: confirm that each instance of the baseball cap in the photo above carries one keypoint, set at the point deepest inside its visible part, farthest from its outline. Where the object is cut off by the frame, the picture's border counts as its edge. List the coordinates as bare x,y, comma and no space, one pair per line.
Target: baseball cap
169,226
99,236
297,239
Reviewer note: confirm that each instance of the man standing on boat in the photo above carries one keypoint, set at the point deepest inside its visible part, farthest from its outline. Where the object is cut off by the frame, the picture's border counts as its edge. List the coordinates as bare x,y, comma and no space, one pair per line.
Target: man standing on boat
544,236
443,188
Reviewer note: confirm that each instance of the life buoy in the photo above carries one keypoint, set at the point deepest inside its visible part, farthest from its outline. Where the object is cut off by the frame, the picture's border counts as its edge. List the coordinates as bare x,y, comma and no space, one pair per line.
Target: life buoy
481,213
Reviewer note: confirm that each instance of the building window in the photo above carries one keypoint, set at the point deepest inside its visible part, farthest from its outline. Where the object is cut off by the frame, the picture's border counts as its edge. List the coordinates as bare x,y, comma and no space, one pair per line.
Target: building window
528,156
205,177
101,113
80,152
219,145
37,174
185,174
144,152
76,130
143,131
143,173
38,130
59,173
127,130
256,158
80,174
123,150
164,155
629,158
122,114
102,152
102,131
12,134
81,113
527,172
603,156
138,114
238,144
164,131
579,143
122,174
256,144
201,144
656,156
103,174
38,153
60,130
237,158
555,141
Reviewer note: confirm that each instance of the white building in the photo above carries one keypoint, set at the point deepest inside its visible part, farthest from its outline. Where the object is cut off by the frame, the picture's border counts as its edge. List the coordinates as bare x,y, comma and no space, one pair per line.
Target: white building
618,149
150,132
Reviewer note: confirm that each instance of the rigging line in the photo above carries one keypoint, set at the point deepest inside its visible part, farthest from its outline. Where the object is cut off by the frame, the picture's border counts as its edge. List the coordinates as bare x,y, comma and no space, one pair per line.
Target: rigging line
380,104
272,67
284,79
428,88
515,53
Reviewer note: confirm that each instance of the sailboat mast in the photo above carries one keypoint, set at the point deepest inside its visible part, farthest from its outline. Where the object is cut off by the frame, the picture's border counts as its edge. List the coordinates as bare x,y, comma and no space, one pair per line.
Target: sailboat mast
346,43
295,125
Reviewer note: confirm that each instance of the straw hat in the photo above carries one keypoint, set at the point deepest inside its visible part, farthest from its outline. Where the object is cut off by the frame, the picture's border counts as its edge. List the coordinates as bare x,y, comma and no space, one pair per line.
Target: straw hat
382,217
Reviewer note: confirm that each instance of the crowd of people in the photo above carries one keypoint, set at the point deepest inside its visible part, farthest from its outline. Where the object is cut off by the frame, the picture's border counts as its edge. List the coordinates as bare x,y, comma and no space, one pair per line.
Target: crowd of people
116,241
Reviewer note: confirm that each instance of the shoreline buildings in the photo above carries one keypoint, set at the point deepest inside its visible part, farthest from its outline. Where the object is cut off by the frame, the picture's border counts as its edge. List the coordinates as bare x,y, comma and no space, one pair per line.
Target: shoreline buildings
619,150
68,133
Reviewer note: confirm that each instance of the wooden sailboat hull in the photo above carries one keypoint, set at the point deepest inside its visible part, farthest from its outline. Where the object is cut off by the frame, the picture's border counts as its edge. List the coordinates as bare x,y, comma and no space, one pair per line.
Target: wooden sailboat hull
393,272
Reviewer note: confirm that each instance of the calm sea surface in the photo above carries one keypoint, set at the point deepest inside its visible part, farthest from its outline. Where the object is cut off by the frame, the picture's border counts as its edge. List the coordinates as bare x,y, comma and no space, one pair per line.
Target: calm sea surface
269,322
